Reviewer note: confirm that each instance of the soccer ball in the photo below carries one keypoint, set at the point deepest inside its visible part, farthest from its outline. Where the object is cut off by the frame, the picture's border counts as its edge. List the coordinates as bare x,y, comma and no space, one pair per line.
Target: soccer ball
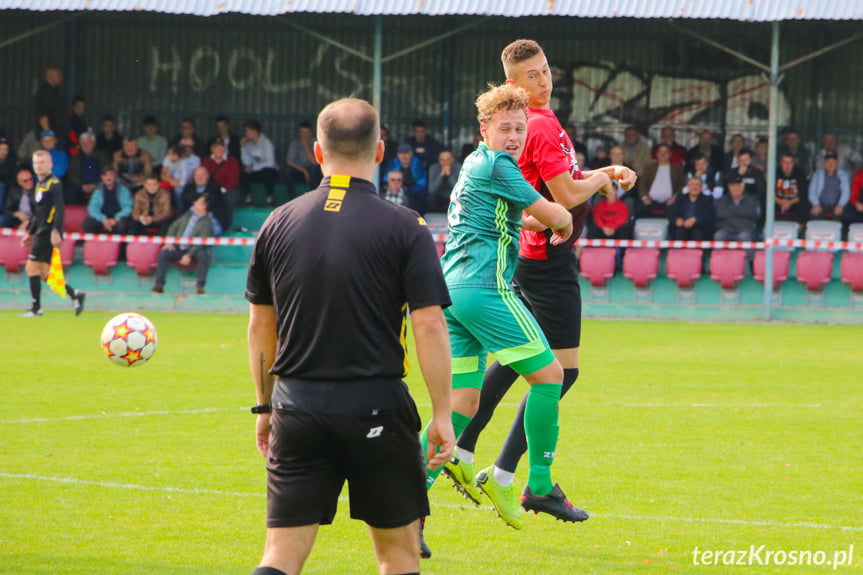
129,339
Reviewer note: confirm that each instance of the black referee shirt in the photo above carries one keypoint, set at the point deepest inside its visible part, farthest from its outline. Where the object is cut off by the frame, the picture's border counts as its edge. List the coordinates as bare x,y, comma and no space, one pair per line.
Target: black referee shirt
339,264
48,208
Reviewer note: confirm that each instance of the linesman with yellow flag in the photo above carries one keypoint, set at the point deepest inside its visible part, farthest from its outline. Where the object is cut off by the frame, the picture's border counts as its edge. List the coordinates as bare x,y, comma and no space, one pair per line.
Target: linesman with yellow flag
45,236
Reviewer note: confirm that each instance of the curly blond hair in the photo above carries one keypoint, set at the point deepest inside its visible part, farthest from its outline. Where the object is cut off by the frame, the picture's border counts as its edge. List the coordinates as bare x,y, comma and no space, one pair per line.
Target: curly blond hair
503,97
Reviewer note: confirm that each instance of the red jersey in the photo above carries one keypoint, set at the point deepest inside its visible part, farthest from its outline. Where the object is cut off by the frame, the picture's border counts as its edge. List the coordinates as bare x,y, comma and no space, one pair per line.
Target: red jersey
548,152
856,186
226,174
610,215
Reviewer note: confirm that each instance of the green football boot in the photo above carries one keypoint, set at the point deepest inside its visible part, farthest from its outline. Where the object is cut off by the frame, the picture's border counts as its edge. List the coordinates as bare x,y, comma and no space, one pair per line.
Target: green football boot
463,477
505,499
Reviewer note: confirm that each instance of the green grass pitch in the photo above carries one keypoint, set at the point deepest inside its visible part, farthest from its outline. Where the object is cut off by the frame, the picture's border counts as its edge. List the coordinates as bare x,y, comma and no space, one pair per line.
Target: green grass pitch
676,436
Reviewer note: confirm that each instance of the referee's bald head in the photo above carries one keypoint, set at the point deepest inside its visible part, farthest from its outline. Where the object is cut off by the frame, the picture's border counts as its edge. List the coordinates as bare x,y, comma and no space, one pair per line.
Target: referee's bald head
349,129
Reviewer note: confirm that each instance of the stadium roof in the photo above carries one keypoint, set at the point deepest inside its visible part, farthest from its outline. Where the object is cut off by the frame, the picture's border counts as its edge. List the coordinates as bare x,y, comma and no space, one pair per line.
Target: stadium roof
741,10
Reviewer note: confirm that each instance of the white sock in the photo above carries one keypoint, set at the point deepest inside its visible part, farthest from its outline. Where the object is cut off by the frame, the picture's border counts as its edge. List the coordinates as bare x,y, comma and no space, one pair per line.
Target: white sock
505,478
463,454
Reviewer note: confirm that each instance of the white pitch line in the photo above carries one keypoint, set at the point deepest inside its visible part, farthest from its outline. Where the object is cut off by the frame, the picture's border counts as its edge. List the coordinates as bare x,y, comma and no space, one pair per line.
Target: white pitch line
131,486
485,508
422,405
122,414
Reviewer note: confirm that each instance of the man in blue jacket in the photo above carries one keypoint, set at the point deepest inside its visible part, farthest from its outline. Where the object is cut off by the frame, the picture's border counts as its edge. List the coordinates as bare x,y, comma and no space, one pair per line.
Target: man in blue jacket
110,207
692,214
830,189
415,177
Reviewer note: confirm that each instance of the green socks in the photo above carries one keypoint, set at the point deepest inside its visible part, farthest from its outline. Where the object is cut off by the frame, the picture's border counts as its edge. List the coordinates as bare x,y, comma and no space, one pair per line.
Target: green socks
540,426
459,422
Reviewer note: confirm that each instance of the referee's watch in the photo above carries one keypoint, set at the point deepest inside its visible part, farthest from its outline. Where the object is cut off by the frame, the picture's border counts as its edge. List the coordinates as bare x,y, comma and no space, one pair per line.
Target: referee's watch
263,408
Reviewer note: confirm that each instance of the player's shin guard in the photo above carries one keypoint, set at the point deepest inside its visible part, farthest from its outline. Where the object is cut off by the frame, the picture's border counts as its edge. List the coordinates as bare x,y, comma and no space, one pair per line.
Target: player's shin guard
459,422
541,429
516,443
497,381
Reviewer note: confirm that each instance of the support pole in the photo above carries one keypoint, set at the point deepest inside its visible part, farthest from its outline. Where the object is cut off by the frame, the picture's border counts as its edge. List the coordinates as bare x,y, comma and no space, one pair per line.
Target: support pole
770,200
376,82
378,58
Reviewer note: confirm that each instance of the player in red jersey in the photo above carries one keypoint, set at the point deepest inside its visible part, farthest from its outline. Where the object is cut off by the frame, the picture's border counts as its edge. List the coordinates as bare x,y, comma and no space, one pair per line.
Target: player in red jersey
546,277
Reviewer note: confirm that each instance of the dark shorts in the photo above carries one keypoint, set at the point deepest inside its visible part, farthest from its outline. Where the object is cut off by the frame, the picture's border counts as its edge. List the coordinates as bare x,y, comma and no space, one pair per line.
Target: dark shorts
41,249
550,290
312,454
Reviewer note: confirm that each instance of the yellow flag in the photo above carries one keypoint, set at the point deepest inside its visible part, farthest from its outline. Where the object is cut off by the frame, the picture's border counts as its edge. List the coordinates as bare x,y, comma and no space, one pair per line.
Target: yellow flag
55,275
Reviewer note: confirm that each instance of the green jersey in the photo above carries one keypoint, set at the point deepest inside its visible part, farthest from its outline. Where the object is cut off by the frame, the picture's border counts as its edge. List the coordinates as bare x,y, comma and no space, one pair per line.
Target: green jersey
484,221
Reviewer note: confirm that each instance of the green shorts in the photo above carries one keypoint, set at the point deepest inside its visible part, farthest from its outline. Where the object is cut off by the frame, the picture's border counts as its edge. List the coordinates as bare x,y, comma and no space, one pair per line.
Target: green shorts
487,320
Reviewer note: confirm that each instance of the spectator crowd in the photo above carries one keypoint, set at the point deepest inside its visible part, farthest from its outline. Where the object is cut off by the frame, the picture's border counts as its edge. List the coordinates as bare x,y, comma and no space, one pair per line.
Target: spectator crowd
141,183
708,193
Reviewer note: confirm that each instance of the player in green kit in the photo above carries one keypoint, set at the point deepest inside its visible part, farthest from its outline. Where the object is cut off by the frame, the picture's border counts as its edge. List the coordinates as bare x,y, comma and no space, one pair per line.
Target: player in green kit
546,280
484,221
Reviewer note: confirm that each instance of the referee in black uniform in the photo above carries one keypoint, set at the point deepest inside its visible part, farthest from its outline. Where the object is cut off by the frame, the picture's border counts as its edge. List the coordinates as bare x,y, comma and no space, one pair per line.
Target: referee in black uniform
45,233
330,280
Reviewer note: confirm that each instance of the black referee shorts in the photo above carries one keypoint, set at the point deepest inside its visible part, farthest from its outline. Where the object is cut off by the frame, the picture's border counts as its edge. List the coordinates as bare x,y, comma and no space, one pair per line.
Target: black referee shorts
379,454
550,290
41,249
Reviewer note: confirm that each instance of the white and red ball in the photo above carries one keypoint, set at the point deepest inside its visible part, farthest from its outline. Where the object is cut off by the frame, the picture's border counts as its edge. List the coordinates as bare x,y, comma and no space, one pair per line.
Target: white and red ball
129,339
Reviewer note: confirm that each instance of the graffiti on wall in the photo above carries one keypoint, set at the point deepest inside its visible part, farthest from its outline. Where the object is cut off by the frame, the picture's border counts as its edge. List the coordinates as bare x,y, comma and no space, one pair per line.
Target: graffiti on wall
608,94
242,67
603,96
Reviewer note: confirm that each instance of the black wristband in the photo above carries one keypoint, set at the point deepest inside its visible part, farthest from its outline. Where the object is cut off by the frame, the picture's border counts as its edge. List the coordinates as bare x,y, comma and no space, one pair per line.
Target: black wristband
263,408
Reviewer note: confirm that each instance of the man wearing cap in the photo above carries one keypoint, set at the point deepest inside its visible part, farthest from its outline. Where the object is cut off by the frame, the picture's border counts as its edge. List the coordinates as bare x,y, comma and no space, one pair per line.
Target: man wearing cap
414,174
736,213
830,189
59,158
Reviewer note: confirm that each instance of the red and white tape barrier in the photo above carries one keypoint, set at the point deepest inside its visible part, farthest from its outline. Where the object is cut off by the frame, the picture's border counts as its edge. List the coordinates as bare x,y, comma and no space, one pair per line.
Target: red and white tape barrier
441,238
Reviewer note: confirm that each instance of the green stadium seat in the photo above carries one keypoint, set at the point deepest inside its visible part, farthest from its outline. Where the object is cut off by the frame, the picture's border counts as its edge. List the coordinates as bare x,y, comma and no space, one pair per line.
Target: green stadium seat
259,194
250,218
233,254
281,194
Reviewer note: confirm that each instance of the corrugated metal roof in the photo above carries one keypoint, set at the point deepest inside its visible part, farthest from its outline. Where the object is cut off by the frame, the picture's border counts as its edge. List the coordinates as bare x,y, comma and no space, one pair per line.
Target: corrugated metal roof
742,10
